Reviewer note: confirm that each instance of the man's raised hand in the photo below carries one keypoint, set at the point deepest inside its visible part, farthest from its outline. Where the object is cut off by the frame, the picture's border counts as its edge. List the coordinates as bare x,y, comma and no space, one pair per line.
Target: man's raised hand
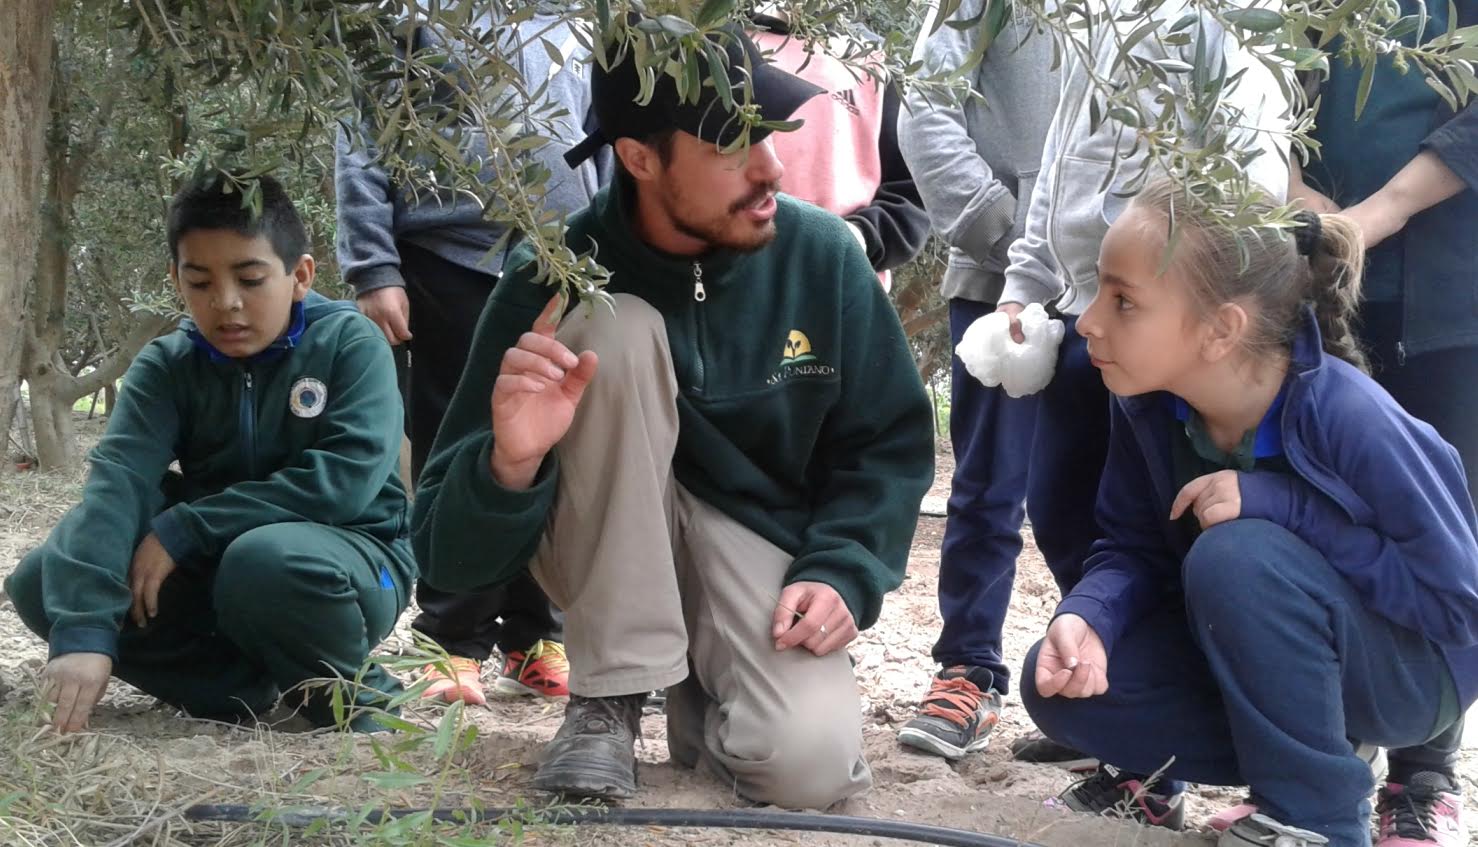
534,398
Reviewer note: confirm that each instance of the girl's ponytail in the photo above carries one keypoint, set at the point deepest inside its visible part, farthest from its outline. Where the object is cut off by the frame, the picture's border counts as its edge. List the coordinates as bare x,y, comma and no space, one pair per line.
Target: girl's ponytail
1336,254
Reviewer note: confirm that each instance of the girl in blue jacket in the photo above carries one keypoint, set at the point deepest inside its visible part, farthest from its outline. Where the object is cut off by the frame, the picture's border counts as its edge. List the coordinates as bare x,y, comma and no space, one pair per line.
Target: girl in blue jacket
1289,566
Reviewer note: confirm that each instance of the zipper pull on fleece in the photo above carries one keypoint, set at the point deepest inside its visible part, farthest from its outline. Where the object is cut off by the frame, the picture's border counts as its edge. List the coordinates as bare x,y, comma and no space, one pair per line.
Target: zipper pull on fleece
698,293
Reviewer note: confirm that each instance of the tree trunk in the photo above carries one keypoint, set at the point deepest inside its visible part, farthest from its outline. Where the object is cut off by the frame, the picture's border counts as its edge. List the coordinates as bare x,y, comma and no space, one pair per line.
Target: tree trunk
54,387
51,420
25,92
110,398
54,391
42,365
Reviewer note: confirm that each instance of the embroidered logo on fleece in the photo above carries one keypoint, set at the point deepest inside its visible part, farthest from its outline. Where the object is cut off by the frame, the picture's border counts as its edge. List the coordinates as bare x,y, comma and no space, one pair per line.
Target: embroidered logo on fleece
307,398
797,349
797,358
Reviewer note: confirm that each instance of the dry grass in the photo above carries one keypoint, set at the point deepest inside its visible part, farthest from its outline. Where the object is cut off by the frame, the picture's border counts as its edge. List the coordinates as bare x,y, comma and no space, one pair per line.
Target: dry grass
92,788
131,781
102,788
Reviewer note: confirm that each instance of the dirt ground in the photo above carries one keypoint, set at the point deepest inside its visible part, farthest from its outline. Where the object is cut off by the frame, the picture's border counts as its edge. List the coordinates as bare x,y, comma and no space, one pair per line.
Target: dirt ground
179,761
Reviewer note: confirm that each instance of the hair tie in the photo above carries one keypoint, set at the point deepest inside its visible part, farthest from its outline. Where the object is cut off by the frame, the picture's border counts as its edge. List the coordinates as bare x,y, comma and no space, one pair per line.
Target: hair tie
1309,232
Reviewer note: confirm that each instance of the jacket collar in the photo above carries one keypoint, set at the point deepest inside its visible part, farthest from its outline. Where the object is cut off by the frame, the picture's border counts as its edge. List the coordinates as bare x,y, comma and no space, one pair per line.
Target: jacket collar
1308,345
277,349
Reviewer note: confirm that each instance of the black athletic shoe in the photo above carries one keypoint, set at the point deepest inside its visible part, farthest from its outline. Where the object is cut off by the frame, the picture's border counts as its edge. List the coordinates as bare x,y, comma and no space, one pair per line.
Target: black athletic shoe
1112,793
594,752
1038,749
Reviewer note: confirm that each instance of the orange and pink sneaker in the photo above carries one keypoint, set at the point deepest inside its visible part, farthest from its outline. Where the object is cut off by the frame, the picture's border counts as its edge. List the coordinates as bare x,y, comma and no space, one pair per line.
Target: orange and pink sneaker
1427,811
464,683
541,670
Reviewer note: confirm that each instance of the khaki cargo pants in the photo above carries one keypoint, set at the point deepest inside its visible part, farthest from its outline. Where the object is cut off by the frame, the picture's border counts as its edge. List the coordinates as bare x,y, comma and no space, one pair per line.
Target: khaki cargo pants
661,589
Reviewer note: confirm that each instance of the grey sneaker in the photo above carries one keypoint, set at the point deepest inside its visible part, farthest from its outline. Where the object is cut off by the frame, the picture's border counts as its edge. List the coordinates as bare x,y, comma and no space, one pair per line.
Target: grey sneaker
594,752
957,715
1257,830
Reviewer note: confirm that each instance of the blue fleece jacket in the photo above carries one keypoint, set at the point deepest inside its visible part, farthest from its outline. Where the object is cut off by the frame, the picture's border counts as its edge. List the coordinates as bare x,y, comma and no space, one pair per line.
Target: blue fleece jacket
1374,490
1431,266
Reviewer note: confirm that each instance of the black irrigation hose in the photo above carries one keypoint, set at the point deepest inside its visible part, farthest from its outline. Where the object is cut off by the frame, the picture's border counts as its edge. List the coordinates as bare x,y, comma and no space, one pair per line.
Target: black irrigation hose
693,818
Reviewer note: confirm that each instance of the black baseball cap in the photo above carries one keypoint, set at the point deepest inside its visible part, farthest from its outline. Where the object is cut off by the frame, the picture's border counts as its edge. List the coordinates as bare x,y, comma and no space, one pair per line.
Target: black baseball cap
613,96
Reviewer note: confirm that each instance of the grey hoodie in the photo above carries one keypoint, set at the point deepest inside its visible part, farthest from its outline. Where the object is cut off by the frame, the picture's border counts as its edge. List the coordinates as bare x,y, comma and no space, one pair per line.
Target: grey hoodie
373,215
975,162
1056,259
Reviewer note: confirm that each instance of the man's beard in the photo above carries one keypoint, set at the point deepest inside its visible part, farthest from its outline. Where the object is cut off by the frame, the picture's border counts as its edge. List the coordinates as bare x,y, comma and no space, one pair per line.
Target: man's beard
728,231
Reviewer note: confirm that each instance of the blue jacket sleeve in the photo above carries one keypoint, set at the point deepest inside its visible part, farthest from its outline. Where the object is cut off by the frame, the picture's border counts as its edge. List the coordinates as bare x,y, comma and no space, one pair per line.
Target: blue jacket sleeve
364,239
1131,569
1456,144
1415,561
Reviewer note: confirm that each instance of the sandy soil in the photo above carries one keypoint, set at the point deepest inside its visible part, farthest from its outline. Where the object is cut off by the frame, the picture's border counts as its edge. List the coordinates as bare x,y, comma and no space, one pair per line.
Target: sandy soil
987,792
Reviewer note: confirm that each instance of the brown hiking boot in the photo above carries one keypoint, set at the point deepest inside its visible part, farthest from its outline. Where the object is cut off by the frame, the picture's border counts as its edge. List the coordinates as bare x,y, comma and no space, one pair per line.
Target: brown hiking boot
594,752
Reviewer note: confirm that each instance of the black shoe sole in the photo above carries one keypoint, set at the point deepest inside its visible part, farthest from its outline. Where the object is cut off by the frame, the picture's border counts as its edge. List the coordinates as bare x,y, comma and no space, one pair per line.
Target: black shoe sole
593,780
1085,765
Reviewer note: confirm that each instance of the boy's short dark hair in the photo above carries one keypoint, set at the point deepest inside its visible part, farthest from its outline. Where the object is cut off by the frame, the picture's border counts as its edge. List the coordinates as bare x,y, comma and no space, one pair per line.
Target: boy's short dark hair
204,204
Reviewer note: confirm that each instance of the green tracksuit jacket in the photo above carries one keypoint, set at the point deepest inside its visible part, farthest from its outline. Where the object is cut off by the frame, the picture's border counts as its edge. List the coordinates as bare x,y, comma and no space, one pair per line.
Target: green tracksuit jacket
802,413
307,431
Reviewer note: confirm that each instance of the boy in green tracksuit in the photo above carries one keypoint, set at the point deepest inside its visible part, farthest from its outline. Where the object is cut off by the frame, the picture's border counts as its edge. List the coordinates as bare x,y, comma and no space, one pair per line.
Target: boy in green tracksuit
277,553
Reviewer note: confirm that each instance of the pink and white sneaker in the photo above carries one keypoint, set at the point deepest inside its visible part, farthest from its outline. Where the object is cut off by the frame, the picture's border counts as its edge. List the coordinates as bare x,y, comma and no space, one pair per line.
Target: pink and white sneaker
1425,812
1226,818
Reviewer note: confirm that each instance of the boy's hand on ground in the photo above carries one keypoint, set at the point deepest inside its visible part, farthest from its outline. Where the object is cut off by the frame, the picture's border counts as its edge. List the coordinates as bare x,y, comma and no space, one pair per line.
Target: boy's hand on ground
1072,661
390,309
75,682
151,566
824,624
534,399
1214,498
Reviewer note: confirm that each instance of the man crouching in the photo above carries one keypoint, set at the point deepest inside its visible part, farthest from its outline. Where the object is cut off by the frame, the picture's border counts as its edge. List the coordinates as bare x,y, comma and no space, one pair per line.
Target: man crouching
718,480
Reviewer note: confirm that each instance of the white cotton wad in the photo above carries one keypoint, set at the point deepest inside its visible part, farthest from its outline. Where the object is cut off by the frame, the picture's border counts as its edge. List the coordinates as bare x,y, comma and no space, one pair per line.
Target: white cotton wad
994,358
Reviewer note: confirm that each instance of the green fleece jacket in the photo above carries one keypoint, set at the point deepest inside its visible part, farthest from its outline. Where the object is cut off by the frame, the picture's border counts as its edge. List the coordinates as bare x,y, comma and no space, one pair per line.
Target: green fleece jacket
308,430
801,413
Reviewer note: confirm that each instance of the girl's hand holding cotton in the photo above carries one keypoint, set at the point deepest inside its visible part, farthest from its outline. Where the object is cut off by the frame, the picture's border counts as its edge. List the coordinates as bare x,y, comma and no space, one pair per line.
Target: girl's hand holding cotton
994,358
1214,498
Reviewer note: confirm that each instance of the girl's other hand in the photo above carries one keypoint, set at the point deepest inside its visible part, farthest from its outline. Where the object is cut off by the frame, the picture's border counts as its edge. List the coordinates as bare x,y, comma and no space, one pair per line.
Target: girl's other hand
1214,498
